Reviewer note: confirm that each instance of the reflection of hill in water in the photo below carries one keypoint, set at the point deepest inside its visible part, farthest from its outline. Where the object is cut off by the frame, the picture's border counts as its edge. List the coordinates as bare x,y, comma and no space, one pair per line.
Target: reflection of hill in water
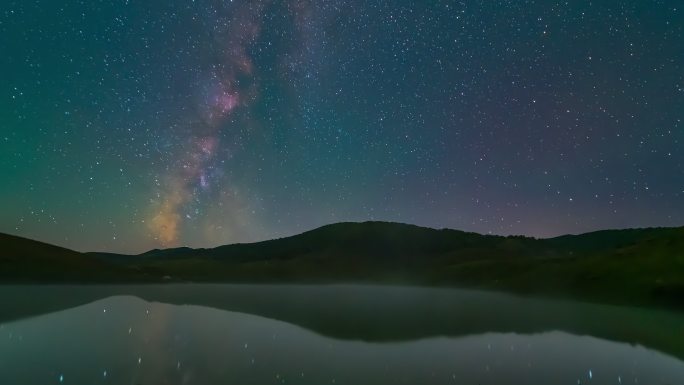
140,342
380,313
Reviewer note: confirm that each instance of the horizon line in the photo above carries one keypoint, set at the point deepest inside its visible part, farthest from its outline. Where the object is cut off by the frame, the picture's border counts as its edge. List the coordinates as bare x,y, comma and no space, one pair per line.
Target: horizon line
346,222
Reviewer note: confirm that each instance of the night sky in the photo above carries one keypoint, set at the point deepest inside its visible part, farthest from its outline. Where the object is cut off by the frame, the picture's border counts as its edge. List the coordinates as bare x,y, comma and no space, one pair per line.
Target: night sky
130,125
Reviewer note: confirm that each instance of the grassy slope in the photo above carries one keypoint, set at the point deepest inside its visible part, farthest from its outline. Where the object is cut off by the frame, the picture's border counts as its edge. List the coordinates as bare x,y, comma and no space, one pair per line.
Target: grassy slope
644,266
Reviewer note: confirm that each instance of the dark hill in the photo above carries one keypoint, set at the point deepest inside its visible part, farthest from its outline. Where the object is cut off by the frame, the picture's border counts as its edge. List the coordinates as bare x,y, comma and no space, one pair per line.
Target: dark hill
25,260
374,241
642,266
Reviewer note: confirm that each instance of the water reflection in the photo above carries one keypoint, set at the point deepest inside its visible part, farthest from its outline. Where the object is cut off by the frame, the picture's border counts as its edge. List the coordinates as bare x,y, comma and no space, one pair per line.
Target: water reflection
127,340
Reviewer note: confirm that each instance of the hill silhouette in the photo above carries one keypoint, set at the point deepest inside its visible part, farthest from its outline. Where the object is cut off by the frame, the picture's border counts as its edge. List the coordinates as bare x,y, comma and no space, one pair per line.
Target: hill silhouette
633,266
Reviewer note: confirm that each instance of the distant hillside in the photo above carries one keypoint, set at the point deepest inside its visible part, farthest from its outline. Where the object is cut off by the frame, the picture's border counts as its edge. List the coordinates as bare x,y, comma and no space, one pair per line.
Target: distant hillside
636,266
25,260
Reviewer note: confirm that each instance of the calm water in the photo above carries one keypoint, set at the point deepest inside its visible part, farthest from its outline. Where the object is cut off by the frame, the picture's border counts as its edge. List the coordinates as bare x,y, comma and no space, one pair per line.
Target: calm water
242,334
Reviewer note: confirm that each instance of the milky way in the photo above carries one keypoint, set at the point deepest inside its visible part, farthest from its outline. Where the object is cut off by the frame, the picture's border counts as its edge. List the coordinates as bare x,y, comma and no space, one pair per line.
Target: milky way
127,125
231,84
222,94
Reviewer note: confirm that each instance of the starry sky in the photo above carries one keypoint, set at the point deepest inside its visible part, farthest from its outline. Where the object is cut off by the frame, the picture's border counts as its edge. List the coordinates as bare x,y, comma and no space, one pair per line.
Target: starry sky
127,125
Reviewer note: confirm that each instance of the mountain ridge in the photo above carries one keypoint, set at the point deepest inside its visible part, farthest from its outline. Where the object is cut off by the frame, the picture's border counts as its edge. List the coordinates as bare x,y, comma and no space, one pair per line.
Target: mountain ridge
640,266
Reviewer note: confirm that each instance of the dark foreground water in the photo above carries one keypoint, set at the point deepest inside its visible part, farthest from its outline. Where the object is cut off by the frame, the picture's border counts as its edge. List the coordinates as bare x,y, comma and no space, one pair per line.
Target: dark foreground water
243,334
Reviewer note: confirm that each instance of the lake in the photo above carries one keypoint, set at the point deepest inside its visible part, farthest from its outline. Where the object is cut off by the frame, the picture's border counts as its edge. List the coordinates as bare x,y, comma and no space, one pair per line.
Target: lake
328,334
